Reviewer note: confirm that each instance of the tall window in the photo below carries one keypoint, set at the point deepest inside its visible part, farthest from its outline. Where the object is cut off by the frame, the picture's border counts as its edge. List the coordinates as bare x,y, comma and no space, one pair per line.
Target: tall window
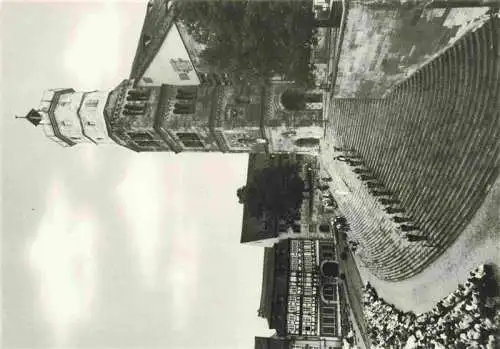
180,108
190,140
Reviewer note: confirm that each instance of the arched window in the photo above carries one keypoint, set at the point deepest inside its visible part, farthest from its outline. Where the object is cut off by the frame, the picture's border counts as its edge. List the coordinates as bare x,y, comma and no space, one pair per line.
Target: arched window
324,228
307,142
293,100
330,268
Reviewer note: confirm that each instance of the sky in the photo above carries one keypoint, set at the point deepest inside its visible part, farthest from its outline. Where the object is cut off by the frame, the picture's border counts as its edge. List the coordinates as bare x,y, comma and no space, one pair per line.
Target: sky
102,247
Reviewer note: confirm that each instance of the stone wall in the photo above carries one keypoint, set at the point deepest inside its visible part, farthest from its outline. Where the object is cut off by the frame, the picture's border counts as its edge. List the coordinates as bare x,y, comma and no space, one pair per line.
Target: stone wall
384,45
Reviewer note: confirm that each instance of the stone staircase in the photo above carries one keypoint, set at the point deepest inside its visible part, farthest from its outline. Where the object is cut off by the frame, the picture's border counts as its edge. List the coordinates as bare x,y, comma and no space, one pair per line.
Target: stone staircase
434,142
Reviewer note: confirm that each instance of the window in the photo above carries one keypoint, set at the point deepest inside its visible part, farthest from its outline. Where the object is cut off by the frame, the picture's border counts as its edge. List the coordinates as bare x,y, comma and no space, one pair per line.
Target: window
183,76
92,103
180,108
307,142
324,228
146,40
147,143
186,94
330,293
190,140
66,123
330,269
140,136
90,123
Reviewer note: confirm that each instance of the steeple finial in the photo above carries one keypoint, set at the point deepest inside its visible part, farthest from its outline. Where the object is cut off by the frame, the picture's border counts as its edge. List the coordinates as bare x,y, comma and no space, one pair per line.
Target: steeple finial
33,116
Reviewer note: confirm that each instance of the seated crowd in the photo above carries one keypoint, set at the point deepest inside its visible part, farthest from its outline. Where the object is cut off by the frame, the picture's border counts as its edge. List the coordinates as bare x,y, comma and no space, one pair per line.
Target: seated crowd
467,318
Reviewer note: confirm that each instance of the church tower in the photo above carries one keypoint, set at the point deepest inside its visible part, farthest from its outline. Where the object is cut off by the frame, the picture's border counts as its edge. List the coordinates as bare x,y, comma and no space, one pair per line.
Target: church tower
174,101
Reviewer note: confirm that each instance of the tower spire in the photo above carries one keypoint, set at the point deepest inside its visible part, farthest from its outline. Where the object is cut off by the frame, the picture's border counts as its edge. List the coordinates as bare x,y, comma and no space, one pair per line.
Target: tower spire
33,116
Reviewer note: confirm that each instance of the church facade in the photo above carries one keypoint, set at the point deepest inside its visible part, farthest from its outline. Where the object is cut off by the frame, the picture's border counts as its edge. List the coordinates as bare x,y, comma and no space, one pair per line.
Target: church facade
174,102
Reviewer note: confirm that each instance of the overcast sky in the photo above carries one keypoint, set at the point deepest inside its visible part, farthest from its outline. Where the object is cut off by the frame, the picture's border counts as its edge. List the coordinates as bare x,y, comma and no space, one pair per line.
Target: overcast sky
102,247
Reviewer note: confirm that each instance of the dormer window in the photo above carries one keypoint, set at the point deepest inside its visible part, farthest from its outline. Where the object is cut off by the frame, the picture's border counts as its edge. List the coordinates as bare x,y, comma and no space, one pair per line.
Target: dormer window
66,123
91,123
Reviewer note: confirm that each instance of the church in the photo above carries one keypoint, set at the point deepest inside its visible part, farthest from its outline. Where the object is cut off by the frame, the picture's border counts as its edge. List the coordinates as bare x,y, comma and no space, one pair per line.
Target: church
174,102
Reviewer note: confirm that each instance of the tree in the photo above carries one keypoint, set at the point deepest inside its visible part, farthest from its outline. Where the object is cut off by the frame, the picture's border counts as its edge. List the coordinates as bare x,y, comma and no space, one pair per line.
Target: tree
253,40
293,100
278,191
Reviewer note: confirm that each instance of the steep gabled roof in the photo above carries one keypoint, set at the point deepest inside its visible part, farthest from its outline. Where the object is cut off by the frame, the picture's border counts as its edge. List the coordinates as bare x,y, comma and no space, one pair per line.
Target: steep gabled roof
157,23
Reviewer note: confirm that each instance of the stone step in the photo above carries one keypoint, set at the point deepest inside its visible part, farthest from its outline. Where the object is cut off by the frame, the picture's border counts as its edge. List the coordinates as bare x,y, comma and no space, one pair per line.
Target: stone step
434,142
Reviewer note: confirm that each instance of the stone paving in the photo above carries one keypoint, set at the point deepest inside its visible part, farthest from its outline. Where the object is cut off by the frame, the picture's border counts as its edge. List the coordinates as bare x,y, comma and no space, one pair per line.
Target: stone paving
433,142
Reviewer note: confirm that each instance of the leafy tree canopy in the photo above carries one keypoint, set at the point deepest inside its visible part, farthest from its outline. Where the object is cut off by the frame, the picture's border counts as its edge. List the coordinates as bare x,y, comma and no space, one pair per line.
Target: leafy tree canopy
254,40
277,191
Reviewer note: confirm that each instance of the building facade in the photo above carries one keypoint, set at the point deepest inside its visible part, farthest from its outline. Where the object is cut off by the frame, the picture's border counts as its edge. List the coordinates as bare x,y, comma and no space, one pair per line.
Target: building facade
302,295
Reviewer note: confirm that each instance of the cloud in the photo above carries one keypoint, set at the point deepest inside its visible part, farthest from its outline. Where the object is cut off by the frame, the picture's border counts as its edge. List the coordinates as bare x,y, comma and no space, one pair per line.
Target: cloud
62,257
87,154
182,276
163,230
93,50
141,199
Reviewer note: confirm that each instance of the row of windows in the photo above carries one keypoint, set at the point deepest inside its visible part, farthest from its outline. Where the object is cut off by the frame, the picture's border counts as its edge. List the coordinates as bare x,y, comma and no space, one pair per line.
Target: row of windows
305,346
327,251
329,320
300,275
143,138
68,123
187,106
330,293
